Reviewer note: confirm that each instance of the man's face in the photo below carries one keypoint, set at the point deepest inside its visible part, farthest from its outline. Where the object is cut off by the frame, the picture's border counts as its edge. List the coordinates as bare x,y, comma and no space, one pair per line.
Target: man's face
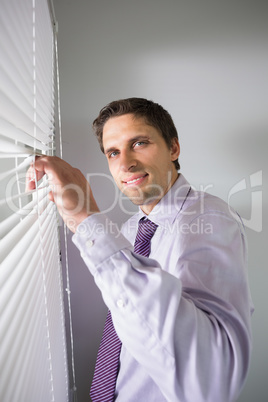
139,159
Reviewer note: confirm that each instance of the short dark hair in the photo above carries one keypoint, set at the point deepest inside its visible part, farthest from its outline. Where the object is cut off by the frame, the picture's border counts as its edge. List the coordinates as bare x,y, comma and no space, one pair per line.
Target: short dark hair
153,113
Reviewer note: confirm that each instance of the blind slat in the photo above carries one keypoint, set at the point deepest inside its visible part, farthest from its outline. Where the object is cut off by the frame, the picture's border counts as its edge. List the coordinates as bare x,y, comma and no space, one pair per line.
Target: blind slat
23,233
11,148
9,200
20,167
24,121
10,222
11,81
16,277
16,75
8,130
18,46
26,319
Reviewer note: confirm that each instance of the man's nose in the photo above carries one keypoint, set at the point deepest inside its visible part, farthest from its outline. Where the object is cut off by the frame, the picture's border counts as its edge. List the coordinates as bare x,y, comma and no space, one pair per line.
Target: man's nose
127,161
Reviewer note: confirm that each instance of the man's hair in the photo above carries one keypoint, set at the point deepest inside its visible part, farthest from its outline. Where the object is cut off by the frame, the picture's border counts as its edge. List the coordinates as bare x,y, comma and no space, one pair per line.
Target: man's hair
153,113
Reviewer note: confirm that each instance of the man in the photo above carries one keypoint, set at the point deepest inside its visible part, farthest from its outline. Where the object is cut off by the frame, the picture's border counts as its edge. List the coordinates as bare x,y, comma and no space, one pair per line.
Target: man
183,314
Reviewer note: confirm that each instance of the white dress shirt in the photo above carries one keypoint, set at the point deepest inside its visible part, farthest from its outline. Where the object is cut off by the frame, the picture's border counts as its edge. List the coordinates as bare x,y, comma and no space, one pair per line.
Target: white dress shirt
183,315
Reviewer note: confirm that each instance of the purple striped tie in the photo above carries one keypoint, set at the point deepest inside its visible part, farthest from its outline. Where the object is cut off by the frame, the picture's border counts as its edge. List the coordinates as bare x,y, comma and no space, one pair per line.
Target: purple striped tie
146,231
107,365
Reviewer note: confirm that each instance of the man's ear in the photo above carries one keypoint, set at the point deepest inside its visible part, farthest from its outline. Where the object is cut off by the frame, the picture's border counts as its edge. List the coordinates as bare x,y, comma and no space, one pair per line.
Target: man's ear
174,149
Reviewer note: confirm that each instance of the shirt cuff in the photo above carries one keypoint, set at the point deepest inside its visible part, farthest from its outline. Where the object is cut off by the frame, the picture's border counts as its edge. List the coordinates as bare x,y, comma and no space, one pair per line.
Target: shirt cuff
98,238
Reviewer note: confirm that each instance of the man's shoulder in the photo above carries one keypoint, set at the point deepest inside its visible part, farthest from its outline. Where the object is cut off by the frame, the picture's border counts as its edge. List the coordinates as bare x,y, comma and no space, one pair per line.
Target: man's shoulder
204,202
200,205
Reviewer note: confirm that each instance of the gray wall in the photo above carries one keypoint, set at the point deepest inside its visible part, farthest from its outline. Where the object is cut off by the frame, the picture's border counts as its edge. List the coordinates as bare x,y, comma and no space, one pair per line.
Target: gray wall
206,62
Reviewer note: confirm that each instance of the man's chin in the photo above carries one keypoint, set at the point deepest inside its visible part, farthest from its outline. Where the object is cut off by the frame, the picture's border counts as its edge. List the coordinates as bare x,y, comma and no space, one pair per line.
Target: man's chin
145,200
136,200
139,196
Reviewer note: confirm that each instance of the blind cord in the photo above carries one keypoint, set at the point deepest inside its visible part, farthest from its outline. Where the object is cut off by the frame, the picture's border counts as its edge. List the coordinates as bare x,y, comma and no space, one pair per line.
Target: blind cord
18,181
68,291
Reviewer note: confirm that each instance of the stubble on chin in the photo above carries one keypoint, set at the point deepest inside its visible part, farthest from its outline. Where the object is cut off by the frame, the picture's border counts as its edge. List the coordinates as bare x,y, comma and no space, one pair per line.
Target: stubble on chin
151,193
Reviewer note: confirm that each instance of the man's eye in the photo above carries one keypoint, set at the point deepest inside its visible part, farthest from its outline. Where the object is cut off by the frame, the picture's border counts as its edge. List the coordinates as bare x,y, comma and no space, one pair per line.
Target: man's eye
139,143
113,154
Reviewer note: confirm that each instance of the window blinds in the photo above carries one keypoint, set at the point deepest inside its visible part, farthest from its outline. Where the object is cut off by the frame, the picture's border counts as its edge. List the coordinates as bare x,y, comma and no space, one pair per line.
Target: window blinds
33,364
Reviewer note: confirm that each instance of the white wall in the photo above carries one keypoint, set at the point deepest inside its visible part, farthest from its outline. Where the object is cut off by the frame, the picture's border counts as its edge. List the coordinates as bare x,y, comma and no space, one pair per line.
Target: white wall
204,61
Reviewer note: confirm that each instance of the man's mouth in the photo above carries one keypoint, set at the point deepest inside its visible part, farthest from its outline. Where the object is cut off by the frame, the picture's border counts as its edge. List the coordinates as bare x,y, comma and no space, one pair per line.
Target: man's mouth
133,180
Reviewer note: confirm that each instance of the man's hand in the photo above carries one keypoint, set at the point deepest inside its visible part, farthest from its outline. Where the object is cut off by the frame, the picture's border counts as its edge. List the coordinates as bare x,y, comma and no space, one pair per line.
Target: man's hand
69,189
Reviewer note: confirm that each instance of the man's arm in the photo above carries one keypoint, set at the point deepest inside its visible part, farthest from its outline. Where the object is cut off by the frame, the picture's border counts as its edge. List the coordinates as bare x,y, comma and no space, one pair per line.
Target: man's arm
189,332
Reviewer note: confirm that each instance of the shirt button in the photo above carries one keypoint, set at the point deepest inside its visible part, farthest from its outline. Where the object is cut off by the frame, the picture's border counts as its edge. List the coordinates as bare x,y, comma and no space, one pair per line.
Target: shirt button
89,243
120,303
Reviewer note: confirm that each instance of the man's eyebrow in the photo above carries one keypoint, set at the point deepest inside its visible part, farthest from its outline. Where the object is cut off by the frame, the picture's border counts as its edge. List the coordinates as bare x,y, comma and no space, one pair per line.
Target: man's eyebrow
107,151
131,140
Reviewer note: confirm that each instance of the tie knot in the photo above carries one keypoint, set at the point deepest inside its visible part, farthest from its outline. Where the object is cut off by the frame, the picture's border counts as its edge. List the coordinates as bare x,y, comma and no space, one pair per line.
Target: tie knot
146,229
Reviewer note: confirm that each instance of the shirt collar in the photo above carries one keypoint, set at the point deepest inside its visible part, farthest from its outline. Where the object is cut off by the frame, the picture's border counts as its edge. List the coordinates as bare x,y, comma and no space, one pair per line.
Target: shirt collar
165,212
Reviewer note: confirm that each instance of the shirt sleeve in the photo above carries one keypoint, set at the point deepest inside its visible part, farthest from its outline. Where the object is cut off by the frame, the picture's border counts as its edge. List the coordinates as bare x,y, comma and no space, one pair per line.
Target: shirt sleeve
190,331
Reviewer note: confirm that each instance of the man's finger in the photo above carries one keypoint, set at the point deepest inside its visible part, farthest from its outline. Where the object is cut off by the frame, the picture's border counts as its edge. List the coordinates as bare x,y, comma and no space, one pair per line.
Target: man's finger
33,175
